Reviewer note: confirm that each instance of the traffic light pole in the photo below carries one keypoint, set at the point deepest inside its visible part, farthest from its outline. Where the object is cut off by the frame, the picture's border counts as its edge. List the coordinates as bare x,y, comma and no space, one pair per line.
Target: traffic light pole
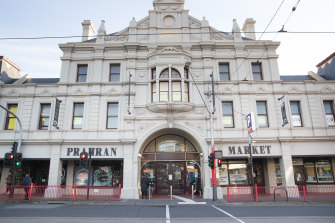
251,165
212,96
19,144
215,196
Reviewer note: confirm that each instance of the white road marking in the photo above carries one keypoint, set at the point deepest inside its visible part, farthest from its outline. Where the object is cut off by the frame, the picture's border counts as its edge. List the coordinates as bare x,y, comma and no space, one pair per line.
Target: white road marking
167,214
237,219
187,201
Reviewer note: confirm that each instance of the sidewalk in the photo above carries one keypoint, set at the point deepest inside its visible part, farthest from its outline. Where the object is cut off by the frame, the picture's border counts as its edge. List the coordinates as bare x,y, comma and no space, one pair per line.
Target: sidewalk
176,202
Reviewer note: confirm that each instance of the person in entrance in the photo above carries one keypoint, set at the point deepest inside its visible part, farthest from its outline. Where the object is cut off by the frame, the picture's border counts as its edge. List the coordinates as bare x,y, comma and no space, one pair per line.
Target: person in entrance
145,182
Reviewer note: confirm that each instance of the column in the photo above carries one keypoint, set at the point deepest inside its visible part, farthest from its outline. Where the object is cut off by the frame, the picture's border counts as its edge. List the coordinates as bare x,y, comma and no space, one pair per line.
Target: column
55,173
286,168
129,188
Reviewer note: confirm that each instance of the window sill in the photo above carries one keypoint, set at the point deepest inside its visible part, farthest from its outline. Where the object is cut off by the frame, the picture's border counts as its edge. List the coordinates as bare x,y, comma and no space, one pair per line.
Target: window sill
161,107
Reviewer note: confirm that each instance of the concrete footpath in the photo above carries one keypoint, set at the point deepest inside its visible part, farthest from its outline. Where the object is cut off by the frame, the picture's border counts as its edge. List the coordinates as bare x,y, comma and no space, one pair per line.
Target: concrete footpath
177,202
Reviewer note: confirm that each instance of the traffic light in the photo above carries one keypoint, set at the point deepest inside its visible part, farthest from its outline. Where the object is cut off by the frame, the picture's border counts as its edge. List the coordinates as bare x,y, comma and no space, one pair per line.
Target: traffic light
18,159
211,161
219,162
9,160
83,158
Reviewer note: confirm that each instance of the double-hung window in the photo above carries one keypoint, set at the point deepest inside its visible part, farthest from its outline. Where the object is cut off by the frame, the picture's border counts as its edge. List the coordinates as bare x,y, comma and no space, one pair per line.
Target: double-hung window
78,115
44,116
295,114
224,72
82,73
10,119
114,75
329,112
112,115
228,114
262,114
257,71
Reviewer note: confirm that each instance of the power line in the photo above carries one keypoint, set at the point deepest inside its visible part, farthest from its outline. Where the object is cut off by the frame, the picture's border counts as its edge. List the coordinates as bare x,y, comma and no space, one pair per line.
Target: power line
150,34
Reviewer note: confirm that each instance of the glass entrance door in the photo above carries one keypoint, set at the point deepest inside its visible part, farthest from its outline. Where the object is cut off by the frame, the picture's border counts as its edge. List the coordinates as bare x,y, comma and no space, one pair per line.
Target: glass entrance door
170,174
162,178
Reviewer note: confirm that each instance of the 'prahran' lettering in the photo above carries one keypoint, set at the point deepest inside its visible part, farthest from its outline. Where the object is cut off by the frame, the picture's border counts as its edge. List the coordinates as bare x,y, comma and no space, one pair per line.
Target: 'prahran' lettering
92,151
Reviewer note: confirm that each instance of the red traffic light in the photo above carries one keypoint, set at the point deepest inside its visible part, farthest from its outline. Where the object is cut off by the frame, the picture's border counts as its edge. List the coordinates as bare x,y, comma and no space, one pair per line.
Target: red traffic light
11,156
83,156
219,162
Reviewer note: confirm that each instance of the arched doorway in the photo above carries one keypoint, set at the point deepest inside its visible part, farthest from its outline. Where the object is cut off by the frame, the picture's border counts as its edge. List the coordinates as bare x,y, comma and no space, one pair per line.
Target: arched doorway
171,160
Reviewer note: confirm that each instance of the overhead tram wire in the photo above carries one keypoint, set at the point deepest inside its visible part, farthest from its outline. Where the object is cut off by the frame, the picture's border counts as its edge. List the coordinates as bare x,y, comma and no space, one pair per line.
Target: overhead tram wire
150,34
277,33
280,31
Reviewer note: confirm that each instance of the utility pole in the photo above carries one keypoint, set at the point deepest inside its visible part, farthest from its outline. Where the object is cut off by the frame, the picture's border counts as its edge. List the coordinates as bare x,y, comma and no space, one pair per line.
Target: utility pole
251,127
212,111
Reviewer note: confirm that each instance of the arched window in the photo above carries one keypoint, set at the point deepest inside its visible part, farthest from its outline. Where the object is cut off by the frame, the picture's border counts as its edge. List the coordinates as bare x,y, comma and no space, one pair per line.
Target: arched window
169,86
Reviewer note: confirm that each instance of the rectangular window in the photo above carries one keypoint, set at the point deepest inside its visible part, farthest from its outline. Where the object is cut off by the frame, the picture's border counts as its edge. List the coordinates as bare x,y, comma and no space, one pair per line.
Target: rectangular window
223,173
262,116
82,73
310,172
257,71
176,91
295,114
186,92
163,91
154,92
112,115
44,116
228,114
114,73
78,115
10,119
279,178
153,73
224,71
329,112
238,173
324,172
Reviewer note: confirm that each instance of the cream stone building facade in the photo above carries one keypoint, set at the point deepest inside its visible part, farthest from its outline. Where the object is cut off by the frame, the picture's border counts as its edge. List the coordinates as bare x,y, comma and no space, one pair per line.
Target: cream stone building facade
129,100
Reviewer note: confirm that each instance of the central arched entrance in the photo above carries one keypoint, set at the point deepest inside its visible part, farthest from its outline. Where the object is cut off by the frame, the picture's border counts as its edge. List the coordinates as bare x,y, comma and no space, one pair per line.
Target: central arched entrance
171,160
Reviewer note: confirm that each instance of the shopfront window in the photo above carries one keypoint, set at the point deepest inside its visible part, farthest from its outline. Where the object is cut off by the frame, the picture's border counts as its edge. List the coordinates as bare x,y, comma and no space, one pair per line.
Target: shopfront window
104,173
278,173
238,173
310,171
324,172
223,173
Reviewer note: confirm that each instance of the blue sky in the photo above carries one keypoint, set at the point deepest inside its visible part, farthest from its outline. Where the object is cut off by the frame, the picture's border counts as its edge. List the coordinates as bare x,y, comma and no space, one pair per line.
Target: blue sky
298,53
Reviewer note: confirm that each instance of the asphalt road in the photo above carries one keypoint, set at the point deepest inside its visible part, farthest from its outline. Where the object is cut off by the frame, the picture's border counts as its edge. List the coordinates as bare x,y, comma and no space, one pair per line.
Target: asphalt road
167,213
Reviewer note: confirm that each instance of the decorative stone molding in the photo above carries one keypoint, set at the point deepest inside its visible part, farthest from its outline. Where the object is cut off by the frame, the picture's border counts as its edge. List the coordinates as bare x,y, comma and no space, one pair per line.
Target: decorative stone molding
194,24
221,36
162,107
198,127
144,24
45,92
118,37
141,127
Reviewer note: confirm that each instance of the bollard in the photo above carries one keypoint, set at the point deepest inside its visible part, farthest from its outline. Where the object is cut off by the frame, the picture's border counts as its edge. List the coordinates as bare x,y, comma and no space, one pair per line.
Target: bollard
149,192
171,191
192,191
